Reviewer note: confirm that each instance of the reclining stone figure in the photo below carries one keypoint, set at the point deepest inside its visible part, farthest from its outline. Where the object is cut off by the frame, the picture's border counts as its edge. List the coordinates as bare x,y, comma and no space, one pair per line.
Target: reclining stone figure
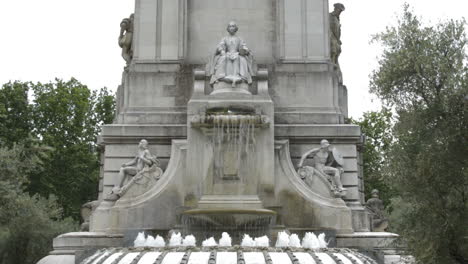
142,164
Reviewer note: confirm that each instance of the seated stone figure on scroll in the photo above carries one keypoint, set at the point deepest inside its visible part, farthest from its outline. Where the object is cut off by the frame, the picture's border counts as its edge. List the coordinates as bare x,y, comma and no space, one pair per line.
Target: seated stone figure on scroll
141,163
232,61
327,162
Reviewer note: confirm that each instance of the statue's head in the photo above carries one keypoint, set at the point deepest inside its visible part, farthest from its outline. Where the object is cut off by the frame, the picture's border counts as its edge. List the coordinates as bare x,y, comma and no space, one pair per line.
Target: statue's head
375,193
125,23
143,144
232,27
324,144
339,7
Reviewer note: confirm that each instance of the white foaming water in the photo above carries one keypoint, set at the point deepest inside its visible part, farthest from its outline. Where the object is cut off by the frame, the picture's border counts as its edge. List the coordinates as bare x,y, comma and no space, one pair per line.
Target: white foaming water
140,240
150,241
189,241
322,242
176,240
210,242
310,240
294,241
263,241
247,241
225,240
159,241
283,240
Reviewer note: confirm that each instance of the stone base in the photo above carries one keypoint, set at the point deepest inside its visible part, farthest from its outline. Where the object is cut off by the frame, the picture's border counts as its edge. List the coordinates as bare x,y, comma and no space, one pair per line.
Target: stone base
71,248
366,240
224,87
381,244
230,202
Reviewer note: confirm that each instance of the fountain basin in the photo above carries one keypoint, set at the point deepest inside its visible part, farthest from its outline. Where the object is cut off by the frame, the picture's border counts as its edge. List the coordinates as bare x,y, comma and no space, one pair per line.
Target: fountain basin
222,255
205,223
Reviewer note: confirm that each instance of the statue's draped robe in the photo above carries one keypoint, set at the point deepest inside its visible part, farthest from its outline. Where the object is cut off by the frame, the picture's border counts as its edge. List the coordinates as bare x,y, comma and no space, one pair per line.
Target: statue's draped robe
233,66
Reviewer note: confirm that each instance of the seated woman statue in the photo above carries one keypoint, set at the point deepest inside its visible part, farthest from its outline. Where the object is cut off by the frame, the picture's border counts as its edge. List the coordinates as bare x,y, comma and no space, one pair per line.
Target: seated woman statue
232,61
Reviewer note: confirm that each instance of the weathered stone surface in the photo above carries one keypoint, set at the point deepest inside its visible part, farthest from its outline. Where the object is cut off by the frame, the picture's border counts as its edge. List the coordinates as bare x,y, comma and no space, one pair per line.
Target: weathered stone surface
376,210
286,106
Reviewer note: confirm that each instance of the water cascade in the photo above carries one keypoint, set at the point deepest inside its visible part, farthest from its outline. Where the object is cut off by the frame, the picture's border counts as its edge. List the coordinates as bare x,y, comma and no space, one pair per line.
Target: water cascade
204,223
288,250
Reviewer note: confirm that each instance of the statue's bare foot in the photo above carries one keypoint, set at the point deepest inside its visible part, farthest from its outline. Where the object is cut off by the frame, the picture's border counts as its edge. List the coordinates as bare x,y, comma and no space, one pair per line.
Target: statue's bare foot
114,195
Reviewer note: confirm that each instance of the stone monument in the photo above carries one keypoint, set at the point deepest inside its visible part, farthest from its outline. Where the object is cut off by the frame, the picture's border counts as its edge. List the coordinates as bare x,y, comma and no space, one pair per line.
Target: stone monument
327,164
144,165
377,212
228,130
126,38
335,32
232,63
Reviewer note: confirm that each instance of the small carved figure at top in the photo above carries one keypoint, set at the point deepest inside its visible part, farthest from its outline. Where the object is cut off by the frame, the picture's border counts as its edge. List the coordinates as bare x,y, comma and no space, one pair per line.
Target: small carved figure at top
142,163
335,33
376,208
232,61
326,162
126,37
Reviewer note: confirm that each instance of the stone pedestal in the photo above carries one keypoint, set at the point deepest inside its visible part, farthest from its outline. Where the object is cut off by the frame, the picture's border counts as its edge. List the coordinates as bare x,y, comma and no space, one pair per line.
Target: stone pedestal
226,88
71,248
297,98
242,172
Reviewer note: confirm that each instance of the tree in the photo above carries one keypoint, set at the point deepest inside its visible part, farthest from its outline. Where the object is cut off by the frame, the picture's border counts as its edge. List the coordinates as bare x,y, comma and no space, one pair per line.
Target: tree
67,116
423,75
27,223
377,128
15,113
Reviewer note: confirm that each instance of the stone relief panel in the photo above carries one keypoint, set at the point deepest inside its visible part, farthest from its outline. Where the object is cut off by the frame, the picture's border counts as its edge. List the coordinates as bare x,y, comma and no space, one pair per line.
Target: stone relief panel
136,176
328,164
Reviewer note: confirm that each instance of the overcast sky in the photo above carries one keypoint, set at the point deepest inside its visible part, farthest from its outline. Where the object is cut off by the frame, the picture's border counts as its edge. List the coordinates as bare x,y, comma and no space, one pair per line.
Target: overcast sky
44,39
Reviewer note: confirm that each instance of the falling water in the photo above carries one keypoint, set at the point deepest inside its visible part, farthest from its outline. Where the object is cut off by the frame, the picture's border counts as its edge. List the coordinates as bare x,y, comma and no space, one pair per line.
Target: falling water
225,240
247,241
283,240
263,241
252,251
294,241
234,133
207,223
189,241
309,241
175,240
140,240
210,242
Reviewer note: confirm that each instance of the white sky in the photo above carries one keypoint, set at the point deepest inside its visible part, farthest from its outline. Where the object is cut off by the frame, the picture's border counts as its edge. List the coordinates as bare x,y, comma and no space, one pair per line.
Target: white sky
44,39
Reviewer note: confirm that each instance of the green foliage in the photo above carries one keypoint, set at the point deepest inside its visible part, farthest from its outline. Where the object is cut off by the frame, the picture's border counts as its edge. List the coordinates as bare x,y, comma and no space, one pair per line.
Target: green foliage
47,149
15,113
66,116
27,223
423,74
377,128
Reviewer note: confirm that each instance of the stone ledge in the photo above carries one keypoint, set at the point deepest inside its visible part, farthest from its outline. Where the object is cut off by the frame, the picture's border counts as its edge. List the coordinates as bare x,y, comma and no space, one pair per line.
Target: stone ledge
330,131
369,240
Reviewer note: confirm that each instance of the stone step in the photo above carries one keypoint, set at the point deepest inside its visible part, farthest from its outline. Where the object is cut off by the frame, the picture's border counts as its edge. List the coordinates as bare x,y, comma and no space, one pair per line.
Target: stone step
230,201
